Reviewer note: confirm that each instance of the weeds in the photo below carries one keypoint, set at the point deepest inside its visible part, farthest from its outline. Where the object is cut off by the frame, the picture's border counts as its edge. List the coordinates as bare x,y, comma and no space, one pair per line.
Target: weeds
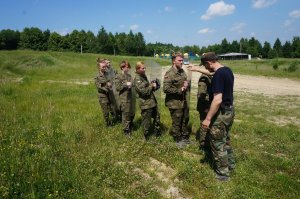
54,144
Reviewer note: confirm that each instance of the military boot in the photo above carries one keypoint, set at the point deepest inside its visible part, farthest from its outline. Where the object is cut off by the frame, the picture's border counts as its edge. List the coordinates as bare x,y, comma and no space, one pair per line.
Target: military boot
146,135
157,132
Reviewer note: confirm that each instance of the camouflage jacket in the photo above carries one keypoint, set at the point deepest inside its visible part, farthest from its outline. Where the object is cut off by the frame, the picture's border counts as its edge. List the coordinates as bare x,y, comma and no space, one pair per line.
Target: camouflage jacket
101,81
173,81
122,88
203,101
145,92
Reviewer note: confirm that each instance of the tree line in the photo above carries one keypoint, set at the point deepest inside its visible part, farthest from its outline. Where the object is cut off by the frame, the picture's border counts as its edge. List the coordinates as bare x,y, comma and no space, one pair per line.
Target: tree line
135,44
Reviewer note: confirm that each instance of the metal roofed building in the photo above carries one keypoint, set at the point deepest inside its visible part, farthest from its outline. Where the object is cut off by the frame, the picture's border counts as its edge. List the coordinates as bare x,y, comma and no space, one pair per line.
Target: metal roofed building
234,56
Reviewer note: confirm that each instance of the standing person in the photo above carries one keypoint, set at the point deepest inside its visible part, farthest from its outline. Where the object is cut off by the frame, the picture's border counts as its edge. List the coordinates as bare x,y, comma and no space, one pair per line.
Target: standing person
203,102
104,87
112,73
147,100
220,116
124,87
176,86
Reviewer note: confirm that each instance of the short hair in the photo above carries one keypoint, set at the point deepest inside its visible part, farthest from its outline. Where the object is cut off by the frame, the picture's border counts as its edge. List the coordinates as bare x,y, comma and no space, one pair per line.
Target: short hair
124,63
101,60
177,54
209,56
138,65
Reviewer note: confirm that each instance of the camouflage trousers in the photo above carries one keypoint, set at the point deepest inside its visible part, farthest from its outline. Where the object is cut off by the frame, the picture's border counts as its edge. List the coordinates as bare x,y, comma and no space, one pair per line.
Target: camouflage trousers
219,140
147,115
127,121
180,120
108,112
202,136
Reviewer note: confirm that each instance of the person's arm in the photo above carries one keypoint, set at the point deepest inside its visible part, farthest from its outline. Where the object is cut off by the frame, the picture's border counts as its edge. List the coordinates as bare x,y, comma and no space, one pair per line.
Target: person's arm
200,70
214,107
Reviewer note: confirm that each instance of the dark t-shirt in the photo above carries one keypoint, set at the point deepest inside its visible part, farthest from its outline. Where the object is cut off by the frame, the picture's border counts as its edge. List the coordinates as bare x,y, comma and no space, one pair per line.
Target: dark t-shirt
222,82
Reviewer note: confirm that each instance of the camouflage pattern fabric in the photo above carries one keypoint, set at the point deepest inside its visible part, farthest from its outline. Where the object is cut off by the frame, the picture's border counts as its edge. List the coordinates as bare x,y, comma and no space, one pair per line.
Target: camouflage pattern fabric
147,103
102,83
203,104
176,101
125,98
219,137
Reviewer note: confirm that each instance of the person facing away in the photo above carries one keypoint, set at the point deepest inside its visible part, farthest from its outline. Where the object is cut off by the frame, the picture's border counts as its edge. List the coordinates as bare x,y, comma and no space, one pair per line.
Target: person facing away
147,101
175,86
123,83
104,86
220,116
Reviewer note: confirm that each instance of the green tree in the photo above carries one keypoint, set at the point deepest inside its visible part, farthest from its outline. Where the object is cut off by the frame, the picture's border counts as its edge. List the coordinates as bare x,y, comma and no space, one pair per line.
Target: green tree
139,44
32,38
272,54
102,41
296,47
130,43
254,47
234,46
278,48
225,46
90,41
9,39
55,42
243,45
77,40
287,49
121,43
265,50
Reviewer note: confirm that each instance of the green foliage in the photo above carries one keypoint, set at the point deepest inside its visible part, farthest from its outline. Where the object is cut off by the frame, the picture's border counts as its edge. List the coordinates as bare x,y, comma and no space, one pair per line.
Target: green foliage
292,67
275,66
54,143
134,44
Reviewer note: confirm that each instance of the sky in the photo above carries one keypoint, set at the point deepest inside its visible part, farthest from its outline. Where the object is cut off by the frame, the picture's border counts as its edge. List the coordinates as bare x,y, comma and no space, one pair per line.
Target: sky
189,22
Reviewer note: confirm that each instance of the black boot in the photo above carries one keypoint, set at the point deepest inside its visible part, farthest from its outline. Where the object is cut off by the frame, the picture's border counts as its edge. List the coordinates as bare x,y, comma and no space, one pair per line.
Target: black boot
146,135
157,132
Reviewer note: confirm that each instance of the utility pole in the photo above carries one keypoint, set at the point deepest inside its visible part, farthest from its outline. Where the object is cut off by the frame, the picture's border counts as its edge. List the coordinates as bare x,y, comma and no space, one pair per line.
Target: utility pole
80,48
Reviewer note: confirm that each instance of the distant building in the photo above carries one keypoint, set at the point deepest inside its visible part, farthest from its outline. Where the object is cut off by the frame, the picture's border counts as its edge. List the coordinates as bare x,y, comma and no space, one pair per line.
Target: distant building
234,56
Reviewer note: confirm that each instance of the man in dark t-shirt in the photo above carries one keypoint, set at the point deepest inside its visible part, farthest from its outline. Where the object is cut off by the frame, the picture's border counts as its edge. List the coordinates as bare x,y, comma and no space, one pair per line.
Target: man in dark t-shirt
220,116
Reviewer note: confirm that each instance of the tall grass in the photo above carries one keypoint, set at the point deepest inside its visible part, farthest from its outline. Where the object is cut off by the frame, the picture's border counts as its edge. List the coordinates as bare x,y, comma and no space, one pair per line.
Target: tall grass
54,144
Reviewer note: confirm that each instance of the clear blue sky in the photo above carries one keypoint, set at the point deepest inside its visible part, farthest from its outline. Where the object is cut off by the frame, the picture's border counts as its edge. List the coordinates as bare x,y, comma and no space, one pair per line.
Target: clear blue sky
190,22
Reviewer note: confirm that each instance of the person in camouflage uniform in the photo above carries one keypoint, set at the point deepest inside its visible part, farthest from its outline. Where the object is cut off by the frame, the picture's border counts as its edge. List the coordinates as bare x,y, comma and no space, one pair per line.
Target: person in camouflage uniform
203,102
147,101
220,116
124,87
112,73
176,86
104,87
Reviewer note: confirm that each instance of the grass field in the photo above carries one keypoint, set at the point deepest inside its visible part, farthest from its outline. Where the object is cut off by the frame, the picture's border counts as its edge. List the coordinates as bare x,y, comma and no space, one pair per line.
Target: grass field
54,144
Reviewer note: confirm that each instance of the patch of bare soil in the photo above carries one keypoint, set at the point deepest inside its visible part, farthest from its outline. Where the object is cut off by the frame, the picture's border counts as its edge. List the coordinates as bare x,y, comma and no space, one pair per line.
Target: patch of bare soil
164,174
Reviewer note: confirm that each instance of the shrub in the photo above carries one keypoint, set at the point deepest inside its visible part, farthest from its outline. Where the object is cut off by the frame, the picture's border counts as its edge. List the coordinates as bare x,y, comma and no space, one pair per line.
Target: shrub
293,67
275,66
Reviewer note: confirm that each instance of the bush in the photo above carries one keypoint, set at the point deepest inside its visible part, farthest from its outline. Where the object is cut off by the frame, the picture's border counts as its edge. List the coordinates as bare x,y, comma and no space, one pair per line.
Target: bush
293,67
275,66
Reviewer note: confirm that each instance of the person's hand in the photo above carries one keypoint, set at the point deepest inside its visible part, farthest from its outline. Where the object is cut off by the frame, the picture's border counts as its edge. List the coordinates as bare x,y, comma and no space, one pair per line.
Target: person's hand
129,84
109,85
192,68
205,124
154,85
186,84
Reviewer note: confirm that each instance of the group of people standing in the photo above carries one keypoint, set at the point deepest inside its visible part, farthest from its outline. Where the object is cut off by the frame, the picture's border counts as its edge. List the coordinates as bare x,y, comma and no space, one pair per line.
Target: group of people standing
215,104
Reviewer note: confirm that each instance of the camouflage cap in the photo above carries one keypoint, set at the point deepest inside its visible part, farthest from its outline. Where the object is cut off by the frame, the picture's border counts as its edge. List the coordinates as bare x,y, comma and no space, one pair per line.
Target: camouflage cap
209,56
